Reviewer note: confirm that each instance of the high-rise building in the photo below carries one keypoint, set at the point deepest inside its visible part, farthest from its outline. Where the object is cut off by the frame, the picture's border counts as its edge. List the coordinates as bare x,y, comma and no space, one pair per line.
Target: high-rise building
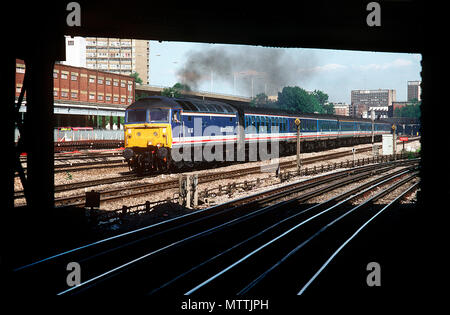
414,90
361,100
380,97
75,52
116,55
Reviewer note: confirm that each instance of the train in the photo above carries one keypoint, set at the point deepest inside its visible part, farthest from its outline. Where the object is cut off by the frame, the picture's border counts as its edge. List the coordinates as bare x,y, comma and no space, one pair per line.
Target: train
163,134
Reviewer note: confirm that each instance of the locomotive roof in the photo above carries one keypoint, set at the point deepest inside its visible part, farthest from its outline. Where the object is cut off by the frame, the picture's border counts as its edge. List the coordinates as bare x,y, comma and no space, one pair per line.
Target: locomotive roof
187,104
154,102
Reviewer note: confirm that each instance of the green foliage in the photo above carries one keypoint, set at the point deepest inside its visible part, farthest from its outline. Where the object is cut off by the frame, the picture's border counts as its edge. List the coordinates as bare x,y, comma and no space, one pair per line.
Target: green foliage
328,109
182,87
259,100
298,99
138,97
176,91
410,111
321,97
136,77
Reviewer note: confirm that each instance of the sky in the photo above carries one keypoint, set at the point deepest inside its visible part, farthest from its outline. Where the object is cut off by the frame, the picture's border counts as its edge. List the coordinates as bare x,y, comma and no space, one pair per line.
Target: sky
335,72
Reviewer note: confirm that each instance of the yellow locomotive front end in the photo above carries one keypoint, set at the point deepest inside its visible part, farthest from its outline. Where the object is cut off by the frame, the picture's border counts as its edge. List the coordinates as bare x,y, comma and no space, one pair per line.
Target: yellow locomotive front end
148,137
145,135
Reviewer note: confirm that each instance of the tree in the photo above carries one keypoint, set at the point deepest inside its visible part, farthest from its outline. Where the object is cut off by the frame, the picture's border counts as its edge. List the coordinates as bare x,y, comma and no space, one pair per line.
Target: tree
138,97
328,109
298,99
321,97
170,92
259,100
136,77
411,110
182,87
176,91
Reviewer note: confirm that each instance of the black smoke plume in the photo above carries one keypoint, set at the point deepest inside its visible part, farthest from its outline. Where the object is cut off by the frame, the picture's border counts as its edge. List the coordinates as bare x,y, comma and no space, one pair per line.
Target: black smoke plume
270,69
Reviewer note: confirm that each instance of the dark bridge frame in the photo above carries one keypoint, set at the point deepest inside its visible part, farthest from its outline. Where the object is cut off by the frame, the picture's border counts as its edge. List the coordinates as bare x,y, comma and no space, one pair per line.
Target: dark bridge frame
35,32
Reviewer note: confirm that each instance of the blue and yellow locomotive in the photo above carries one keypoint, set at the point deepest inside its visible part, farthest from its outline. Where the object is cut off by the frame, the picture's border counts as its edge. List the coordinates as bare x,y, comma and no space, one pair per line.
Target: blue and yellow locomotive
155,127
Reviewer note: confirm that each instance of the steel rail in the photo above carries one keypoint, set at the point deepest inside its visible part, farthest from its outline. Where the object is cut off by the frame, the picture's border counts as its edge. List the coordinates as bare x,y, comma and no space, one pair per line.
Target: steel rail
282,235
303,289
322,229
217,209
271,227
119,268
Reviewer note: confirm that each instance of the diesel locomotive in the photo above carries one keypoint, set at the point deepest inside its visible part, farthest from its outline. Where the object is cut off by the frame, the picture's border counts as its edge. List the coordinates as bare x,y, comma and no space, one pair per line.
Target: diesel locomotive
164,133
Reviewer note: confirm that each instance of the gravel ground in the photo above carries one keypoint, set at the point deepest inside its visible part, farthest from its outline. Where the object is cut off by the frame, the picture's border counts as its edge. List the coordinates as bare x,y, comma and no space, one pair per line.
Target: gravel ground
267,179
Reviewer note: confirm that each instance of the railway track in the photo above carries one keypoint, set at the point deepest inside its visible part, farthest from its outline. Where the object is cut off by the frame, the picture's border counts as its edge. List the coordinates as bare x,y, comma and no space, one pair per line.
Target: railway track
146,188
74,162
230,248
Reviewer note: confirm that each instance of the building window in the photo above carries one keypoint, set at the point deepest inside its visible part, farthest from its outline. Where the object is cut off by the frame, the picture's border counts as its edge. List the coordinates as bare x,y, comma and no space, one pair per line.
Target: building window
55,93
55,75
63,76
100,97
64,94
108,82
116,83
92,96
91,80
130,87
122,84
116,99
108,98
73,77
122,99
74,95
100,81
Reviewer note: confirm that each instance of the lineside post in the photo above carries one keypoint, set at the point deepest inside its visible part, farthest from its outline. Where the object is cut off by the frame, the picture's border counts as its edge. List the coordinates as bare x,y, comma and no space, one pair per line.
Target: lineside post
195,190
394,142
299,162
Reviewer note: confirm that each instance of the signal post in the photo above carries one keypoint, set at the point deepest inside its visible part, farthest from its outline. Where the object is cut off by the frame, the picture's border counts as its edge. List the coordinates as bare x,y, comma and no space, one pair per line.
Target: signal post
299,162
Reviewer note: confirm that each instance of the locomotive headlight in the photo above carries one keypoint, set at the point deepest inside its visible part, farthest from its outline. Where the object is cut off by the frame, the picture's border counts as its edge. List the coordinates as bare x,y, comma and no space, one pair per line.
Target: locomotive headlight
149,143
164,130
155,134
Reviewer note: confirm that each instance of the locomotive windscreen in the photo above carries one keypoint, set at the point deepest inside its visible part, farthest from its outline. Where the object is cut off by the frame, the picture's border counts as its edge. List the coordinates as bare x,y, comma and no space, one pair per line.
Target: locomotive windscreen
137,115
159,114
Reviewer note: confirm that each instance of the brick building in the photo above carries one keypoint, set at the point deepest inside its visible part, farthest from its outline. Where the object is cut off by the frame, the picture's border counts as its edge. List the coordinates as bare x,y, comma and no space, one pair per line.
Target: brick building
85,88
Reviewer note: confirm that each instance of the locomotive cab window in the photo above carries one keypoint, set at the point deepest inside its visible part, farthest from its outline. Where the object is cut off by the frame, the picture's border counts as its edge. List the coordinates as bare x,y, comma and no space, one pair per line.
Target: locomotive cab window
158,115
176,117
138,115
